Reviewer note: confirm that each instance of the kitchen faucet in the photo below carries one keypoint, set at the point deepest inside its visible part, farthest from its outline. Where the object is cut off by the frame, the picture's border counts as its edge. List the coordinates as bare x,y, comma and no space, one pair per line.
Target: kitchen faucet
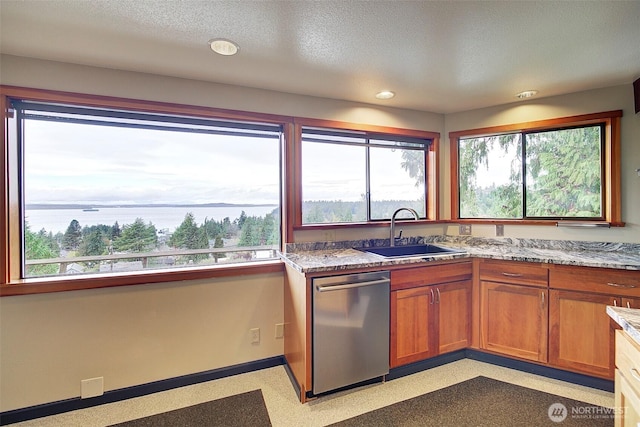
392,231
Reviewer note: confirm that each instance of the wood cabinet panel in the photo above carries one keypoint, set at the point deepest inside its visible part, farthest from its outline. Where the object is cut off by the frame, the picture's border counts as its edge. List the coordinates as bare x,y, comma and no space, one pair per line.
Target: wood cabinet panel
514,272
513,320
580,335
454,316
597,280
411,337
430,275
630,302
429,320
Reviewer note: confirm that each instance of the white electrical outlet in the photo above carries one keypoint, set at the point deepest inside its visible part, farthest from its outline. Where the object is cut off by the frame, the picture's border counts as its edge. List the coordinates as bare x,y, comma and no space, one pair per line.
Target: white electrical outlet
91,387
255,335
279,330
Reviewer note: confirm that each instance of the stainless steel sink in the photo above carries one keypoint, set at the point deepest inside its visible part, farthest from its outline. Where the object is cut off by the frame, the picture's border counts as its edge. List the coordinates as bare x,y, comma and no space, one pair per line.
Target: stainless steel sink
412,251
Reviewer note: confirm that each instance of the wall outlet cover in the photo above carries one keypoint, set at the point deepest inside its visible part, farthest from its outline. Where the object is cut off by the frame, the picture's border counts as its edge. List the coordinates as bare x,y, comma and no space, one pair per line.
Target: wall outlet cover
465,230
91,387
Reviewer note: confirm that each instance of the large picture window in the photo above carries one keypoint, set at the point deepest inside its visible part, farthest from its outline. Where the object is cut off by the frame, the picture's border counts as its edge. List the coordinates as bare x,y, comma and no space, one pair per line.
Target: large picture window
351,176
113,191
563,170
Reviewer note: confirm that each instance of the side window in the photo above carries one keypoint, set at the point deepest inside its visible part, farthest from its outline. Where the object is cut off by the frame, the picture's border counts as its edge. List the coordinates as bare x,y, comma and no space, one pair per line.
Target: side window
563,171
113,191
351,176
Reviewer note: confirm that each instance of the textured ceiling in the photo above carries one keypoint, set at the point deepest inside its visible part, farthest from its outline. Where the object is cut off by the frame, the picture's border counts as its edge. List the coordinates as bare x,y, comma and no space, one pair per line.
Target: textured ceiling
441,57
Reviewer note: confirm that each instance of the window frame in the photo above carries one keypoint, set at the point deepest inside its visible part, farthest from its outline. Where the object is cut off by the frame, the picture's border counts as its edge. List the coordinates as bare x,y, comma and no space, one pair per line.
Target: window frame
431,171
10,229
610,166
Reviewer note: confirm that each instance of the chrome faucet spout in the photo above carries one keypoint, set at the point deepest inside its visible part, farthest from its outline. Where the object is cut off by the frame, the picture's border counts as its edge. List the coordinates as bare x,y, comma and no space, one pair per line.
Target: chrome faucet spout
392,231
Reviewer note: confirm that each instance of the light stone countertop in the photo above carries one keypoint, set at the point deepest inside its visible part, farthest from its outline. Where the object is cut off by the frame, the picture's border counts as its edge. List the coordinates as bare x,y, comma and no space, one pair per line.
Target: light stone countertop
337,256
628,319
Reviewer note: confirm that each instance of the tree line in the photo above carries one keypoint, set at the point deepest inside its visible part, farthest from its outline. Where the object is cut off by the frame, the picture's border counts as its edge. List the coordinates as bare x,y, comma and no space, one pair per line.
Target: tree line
141,236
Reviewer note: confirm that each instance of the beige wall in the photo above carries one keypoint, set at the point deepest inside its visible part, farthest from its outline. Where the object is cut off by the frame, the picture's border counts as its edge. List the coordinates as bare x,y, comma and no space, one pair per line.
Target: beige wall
132,335
137,334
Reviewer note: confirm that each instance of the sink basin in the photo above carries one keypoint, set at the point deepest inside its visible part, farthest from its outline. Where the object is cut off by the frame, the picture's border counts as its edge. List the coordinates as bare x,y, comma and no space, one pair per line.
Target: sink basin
411,251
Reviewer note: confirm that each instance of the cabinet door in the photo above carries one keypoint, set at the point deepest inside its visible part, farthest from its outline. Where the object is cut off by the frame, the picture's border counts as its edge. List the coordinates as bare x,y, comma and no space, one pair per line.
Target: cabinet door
581,336
411,337
513,320
627,398
453,302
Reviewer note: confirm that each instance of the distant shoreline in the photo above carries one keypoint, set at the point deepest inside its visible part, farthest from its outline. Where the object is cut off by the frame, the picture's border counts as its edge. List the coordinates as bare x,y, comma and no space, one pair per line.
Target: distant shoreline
44,206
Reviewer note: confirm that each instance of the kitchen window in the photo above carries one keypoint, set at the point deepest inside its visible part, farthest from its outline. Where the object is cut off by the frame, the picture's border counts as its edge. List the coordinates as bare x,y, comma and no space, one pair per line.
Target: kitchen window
106,191
357,176
555,171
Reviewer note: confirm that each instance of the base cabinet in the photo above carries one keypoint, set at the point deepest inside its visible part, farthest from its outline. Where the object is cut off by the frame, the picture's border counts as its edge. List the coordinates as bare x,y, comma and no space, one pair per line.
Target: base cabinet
513,320
581,335
627,381
429,320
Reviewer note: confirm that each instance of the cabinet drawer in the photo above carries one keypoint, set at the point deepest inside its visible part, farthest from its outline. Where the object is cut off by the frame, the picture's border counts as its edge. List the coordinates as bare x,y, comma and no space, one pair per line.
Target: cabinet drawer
430,275
601,280
521,273
628,359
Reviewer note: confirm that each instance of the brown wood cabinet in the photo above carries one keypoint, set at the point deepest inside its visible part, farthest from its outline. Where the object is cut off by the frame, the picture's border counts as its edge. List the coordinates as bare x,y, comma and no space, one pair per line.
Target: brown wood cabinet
514,309
581,334
431,319
514,320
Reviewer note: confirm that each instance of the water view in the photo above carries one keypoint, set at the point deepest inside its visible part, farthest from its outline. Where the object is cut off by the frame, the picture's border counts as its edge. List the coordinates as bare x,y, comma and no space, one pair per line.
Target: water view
163,218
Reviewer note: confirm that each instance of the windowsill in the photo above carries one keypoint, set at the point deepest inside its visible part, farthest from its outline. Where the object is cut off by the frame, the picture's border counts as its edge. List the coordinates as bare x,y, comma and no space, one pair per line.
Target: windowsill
61,284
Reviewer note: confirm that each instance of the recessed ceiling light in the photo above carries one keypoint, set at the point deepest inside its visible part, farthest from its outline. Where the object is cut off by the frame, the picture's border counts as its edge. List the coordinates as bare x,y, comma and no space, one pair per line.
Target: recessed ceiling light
224,47
385,94
526,94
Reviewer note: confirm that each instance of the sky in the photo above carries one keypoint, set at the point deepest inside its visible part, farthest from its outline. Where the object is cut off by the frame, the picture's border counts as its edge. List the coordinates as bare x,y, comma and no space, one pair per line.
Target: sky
93,164
73,163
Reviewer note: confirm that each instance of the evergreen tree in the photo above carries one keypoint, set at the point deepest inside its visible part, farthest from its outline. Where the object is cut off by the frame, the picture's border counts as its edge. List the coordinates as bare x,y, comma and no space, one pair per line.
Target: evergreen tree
218,243
73,236
95,243
189,236
39,247
136,237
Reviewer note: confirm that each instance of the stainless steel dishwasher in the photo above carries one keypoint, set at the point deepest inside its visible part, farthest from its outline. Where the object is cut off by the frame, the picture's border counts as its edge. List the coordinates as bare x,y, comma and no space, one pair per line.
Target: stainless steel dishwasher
350,329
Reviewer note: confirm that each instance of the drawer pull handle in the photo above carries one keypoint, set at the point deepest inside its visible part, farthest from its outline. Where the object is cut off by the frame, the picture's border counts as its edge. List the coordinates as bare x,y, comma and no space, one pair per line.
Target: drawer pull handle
628,304
620,285
512,274
437,295
635,374
432,299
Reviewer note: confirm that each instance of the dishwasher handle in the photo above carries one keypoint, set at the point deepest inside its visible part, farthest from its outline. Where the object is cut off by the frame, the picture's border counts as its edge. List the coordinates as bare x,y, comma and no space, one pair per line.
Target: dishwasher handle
330,288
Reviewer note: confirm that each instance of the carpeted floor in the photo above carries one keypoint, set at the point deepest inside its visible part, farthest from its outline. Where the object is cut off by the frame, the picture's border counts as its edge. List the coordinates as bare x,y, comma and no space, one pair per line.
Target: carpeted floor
240,410
486,402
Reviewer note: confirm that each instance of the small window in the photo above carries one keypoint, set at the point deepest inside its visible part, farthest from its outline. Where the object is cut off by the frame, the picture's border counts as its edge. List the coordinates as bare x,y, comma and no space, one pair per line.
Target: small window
351,176
113,191
537,174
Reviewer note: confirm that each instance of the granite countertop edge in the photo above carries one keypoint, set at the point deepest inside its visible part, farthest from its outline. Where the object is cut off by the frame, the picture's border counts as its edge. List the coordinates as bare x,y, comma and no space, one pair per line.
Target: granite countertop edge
628,319
339,256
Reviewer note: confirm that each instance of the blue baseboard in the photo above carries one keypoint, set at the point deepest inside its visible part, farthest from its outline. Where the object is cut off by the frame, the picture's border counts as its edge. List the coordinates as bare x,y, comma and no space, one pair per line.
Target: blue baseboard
47,409
545,371
38,411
